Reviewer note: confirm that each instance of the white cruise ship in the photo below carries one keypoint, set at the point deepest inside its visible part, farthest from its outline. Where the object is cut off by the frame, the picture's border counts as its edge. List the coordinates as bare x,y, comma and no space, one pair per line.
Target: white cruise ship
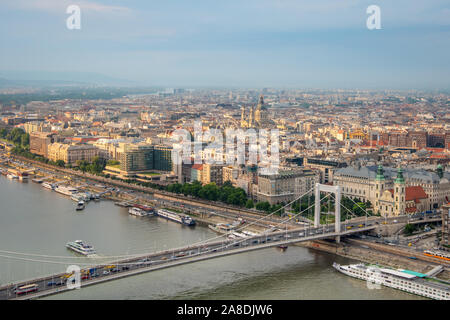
221,228
48,185
138,212
66,190
81,247
170,215
405,280
12,176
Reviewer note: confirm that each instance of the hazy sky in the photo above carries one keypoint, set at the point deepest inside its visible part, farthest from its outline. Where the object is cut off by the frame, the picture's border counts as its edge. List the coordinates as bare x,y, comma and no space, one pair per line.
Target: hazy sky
253,43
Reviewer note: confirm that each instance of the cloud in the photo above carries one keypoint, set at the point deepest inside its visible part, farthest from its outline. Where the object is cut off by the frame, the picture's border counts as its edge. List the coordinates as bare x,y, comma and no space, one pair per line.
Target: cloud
58,6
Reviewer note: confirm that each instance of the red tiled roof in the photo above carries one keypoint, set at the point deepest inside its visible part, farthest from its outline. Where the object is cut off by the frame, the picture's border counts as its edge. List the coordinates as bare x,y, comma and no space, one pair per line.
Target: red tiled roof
414,193
197,166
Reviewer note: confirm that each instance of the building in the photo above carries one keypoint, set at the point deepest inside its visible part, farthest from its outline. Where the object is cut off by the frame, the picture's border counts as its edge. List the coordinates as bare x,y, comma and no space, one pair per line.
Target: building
39,142
35,126
325,168
445,226
196,172
286,185
143,157
230,173
409,139
368,184
162,158
136,158
71,153
258,116
400,199
212,173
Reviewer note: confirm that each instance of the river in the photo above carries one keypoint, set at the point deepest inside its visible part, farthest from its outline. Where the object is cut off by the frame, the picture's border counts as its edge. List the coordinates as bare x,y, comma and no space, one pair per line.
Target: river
38,222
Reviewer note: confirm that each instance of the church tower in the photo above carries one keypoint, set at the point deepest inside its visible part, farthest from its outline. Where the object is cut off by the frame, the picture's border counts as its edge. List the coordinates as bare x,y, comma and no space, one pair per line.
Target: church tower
399,193
243,122
258,109
380,182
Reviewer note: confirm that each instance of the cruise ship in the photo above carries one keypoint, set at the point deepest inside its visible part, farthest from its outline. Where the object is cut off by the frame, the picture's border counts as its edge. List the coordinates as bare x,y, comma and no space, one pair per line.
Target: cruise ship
135,211
405,280
221,228
148,209
66,190
12,176
81,247
169,215
48,185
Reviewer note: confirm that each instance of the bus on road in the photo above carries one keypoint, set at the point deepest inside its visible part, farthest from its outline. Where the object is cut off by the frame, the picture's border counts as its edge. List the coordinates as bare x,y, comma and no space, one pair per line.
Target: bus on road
26,289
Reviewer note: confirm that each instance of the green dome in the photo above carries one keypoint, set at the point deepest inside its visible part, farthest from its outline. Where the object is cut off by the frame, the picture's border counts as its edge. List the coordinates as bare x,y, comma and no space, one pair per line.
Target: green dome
400,178
380,173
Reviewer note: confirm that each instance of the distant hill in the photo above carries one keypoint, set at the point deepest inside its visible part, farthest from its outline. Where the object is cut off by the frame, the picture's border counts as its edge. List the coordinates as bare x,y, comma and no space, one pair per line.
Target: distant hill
46,79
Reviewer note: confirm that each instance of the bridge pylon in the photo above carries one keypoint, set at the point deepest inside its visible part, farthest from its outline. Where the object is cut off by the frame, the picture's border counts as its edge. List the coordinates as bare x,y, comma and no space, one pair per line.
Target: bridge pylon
337,206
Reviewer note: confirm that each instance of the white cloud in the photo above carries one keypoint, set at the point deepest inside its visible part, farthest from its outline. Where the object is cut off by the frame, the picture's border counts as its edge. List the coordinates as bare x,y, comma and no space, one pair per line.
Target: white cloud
58,6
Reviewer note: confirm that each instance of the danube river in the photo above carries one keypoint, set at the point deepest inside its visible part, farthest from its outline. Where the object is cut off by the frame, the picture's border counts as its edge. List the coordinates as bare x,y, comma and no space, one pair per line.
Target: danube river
39,222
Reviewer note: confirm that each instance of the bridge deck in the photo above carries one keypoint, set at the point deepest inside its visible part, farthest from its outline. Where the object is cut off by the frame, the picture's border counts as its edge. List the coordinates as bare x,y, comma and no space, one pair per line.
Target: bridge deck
168,258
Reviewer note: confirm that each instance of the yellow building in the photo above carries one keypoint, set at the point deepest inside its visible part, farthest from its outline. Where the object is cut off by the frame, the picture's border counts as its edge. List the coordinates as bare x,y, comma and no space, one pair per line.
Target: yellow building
358,134
70,153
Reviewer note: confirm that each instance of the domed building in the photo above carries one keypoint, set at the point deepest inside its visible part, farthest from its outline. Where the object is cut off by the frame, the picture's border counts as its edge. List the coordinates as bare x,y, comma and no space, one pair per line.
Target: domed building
258,117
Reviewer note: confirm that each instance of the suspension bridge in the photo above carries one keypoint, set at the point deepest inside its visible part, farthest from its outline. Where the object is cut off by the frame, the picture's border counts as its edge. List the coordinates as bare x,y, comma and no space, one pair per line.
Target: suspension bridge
115,267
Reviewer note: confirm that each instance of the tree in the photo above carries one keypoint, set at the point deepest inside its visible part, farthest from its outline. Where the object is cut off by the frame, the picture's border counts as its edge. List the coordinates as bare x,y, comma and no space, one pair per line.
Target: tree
60,163
409,229
249,204
359,209
263,206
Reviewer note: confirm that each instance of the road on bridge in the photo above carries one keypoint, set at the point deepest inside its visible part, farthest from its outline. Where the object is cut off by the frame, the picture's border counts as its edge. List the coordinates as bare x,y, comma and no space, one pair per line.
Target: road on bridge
138,264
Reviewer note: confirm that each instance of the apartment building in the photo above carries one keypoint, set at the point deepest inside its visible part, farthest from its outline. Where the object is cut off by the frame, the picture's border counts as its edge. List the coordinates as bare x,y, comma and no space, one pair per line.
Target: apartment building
286,185
39,142
71,153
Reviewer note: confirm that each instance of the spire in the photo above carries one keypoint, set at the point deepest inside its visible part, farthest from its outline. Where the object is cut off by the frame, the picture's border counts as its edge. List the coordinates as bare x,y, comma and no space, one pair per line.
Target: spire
400,178
380,173
261,101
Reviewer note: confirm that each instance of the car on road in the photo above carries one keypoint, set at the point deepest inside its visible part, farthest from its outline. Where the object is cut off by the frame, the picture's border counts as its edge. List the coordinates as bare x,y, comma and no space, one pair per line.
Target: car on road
106,272
51,283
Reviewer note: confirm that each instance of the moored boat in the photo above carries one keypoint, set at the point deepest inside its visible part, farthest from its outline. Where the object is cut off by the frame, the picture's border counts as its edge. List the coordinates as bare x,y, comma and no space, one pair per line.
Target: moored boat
12,176
170,215
137,212
48,185
221,228
405,280
66,190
